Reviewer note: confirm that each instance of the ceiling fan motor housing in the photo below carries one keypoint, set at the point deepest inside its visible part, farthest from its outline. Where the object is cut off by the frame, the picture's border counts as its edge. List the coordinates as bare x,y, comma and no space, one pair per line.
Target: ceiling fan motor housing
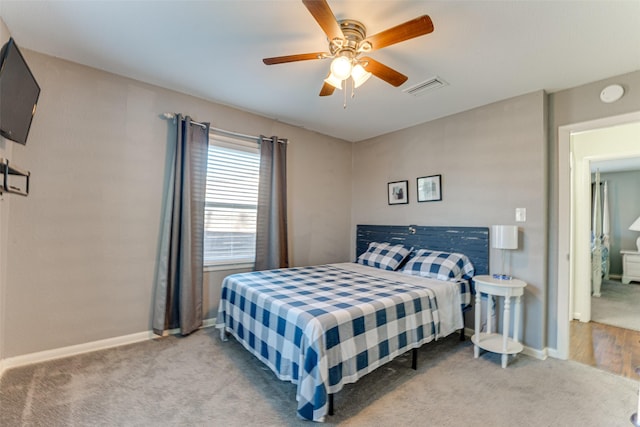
354,33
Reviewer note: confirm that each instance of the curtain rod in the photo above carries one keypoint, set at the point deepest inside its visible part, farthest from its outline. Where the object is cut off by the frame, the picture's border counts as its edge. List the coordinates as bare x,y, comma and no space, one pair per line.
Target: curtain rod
226,132
173,116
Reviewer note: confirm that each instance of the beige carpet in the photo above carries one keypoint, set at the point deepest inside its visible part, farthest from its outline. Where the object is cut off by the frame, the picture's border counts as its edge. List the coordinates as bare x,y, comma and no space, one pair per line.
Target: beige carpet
618,305
200,381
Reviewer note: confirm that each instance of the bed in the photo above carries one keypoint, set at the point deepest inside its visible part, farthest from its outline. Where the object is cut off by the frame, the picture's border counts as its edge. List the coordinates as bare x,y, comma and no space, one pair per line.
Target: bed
322,327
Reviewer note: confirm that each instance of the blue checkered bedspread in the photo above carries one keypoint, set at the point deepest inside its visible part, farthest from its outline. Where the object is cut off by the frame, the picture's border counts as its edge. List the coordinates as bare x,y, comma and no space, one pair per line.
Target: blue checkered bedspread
325,326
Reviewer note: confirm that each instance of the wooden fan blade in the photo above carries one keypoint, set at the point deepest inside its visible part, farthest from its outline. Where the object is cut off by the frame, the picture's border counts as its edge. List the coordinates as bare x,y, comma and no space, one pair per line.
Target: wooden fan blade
322,13
327,89
293,58
383,72
415,28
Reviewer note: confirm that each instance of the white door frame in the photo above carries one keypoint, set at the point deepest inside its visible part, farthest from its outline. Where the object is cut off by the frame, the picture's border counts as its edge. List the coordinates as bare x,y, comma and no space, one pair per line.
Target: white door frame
565,220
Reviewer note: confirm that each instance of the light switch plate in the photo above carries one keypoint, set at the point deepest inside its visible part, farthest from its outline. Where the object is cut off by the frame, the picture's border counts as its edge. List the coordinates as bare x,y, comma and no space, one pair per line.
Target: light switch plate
521,214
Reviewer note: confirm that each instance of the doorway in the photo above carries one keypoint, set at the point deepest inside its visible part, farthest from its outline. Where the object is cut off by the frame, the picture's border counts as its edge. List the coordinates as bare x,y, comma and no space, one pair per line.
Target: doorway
574,256
619,202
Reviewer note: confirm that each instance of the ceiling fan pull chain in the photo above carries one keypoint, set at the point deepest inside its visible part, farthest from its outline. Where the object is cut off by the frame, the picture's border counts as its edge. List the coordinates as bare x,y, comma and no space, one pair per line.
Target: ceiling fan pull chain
344,104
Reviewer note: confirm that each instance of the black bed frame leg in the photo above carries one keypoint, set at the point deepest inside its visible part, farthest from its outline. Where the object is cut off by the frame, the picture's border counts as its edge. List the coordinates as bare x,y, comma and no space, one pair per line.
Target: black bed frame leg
330,403
462,334
414,359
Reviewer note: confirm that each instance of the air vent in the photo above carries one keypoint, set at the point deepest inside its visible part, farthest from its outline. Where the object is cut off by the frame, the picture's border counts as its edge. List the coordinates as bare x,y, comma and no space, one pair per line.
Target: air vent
427,85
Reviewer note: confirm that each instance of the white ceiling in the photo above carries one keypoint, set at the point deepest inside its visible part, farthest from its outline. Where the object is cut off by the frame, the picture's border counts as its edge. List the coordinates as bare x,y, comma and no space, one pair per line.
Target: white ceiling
616,165
485,50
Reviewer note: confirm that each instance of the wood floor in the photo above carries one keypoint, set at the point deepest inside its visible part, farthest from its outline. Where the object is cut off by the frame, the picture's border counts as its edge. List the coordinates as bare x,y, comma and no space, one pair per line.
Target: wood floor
609,348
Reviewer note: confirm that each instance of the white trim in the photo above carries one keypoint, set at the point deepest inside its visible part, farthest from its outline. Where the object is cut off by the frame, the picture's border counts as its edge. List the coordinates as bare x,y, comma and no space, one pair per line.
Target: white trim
535,353
553,352
57,353
73,350
207,323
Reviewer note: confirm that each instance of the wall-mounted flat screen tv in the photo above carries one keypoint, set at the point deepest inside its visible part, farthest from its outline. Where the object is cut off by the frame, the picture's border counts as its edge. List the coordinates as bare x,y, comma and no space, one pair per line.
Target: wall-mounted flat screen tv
19,94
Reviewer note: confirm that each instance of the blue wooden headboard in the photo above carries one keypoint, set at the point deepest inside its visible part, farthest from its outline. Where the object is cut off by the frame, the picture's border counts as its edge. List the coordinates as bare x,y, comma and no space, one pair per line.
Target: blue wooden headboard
471,241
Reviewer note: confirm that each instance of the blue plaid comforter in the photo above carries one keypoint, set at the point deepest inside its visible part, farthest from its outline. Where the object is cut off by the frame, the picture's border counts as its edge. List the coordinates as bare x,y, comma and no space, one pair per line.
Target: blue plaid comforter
325,326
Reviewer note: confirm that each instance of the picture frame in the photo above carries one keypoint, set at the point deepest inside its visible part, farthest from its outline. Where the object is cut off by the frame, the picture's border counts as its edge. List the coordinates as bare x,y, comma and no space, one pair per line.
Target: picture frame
429,188
398,192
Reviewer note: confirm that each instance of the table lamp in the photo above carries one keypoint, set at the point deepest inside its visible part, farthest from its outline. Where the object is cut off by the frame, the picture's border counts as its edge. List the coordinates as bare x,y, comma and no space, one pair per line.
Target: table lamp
504,237
636,227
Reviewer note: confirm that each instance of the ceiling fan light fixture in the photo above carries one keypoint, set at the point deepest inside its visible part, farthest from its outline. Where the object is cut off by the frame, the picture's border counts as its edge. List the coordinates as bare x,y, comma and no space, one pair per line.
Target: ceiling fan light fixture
348,40
334,81
341,67
359,75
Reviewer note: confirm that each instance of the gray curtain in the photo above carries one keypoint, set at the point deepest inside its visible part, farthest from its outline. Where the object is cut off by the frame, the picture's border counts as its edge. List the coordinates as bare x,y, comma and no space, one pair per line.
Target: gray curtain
178,293
271,231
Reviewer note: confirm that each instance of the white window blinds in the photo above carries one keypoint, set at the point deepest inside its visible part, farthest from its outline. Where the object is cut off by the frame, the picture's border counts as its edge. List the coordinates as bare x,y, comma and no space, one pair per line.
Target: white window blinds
231,201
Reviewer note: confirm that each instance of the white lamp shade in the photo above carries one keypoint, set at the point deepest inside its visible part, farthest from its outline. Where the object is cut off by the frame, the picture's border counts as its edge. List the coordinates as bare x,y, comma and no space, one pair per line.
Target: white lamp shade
334,81
504,237
341,67
359,75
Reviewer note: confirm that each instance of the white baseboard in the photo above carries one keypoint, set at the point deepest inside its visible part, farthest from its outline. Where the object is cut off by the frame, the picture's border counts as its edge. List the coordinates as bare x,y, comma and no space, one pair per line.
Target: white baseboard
207,323
58,353
535,353
553,352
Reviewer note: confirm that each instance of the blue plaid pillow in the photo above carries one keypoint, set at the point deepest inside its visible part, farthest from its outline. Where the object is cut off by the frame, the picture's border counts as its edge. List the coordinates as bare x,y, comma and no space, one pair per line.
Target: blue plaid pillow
384,256
440,265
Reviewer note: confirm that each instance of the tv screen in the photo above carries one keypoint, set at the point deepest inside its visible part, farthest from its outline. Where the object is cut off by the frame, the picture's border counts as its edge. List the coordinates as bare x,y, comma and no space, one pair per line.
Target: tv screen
19,94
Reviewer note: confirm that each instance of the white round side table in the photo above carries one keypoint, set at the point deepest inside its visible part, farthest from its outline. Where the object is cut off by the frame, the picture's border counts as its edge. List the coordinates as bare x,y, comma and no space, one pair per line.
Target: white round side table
490,341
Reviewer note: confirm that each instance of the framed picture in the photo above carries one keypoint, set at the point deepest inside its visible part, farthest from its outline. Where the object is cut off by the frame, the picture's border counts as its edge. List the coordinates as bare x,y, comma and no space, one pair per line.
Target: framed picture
430,188
398,192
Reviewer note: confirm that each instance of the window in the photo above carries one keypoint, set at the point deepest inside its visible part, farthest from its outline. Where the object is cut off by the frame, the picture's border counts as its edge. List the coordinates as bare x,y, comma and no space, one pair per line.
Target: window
231,201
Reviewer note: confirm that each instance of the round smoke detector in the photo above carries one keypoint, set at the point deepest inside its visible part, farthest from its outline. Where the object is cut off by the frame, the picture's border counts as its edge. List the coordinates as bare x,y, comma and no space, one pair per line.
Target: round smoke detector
611,93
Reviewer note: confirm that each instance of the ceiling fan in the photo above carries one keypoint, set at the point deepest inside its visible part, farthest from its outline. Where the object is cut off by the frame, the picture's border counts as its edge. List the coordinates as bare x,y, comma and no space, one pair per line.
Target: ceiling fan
348,41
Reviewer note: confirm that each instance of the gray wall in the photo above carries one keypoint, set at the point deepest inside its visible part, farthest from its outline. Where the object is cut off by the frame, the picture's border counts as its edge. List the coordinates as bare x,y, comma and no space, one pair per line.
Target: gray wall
77,257
571,106
81,249
624,208
5,200
492,160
